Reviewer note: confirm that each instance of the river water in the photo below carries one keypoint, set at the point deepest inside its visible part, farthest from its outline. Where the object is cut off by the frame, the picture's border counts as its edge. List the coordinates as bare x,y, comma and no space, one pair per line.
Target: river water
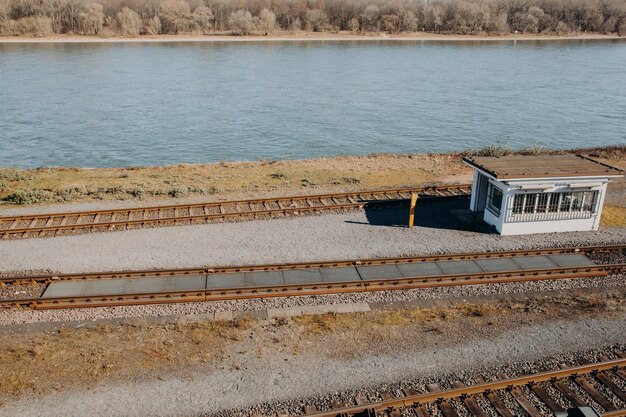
123,104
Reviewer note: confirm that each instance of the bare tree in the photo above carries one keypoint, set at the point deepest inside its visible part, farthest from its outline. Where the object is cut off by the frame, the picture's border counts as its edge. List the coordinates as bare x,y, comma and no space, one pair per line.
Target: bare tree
152,26
175,16
129,22
5,20
355,25
370,18
316,20
32,26
91,20
240,22
390,23
407,21
267,20
203,18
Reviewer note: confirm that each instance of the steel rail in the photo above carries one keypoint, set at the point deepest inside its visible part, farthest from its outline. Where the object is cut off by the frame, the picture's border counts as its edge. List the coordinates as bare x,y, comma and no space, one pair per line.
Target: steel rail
354,200
308,265
479,389
290,290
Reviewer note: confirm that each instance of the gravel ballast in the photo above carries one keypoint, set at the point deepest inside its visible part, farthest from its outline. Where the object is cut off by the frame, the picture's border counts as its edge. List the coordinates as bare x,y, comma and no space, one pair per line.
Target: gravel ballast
26,315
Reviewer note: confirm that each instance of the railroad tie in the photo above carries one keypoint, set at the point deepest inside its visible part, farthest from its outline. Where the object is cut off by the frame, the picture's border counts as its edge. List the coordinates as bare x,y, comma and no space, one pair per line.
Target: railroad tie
470,402
444,405
545,396
496,401
522,399
360,399
609,383
594,393
336,404
420,410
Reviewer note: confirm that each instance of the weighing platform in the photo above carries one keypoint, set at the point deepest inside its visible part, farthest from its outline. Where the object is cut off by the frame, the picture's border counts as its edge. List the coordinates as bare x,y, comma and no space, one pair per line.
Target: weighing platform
212,282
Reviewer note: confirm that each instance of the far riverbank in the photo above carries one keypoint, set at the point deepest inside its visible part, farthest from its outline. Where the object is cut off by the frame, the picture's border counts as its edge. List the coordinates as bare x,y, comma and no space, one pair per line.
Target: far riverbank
304,36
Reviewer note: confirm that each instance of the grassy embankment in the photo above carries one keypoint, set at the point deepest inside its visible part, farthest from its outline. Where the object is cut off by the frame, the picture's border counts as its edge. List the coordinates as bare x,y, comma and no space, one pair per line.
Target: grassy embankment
44,361
230,180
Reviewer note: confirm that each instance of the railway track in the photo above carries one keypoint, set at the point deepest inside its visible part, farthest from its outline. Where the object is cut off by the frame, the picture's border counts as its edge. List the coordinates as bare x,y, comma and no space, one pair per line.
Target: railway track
600,385
306,265
217,284
42,225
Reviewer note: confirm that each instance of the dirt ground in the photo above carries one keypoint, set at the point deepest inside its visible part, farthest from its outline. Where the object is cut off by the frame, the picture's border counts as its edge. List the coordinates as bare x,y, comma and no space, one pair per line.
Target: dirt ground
44,363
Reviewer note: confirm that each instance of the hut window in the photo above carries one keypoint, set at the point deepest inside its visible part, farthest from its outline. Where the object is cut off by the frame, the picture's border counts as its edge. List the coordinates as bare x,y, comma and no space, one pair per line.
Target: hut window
553,206
494,199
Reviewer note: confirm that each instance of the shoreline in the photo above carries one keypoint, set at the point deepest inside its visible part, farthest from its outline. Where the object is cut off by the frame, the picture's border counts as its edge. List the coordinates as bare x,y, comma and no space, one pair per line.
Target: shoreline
335,37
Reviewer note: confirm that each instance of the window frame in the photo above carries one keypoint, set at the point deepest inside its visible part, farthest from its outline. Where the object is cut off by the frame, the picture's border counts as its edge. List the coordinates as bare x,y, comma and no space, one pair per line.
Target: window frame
492,191
558,205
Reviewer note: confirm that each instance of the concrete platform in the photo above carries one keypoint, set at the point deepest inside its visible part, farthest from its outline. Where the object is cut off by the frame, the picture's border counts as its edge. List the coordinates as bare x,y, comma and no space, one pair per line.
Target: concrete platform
127,286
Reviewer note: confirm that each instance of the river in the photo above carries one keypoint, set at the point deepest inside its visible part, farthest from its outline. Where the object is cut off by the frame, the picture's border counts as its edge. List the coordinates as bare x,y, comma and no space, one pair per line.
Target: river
126,104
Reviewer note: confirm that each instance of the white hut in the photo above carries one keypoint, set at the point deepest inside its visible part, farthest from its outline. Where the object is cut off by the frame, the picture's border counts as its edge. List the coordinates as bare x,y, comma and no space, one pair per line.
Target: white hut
540,194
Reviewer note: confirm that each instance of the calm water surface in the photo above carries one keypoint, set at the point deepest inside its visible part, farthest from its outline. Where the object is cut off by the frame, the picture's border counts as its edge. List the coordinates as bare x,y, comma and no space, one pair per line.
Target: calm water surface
105,105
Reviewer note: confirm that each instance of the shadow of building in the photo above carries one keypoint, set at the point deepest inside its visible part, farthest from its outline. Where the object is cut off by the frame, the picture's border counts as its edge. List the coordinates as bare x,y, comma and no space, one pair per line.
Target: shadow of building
443,213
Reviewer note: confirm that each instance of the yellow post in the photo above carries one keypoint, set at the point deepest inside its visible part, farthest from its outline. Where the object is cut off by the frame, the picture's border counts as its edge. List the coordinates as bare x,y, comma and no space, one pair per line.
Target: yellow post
412,210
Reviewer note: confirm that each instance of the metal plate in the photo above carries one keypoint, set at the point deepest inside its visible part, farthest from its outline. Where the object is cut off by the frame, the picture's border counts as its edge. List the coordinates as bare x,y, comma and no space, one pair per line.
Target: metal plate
302,276
105,287
236,280
379,272
421,269
64,289
186,283
458,267
497,264
574,259
261,278
341,274
534,262
146,285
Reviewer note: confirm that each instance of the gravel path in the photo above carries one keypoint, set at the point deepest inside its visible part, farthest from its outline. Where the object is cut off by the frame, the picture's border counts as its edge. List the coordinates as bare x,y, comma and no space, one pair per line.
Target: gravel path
281,376
372,233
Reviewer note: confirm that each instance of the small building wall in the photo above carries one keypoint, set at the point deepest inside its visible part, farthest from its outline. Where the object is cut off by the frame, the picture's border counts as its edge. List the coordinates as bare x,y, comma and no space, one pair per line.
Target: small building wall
504,224
479,192
551,226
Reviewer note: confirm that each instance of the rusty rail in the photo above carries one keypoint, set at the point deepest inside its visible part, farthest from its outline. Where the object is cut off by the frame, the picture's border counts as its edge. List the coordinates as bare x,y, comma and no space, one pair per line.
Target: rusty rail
38,225
517,390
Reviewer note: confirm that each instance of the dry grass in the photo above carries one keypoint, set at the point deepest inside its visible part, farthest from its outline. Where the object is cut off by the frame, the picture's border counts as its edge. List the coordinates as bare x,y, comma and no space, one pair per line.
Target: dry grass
228,180
68,357
372,321
613,217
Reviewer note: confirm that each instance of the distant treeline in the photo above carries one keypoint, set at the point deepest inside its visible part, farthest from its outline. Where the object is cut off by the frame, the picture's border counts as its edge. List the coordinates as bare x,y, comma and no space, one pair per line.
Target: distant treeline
242,17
